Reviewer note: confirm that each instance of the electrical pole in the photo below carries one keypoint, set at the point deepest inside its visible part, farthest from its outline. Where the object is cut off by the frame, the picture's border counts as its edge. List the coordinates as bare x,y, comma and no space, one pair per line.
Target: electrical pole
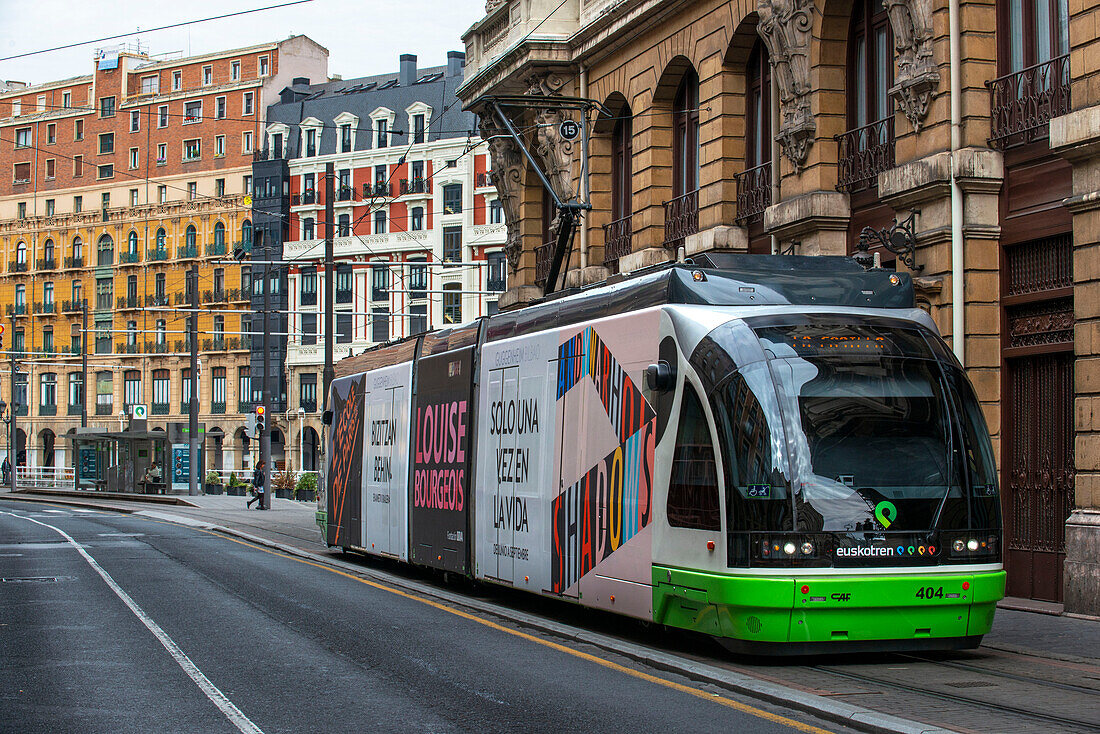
330,279
13,451
84,367
265,434
193,403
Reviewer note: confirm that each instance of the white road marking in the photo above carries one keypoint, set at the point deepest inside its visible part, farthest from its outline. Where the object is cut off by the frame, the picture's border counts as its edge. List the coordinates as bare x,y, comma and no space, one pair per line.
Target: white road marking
121,535
219,699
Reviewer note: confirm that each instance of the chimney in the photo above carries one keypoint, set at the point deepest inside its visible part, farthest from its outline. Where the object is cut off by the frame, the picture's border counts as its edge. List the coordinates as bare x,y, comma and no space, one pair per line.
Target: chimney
300,80
456,61
407,75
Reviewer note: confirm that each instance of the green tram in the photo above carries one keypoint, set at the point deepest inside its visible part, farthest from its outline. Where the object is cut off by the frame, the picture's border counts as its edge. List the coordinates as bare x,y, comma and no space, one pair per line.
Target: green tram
778,451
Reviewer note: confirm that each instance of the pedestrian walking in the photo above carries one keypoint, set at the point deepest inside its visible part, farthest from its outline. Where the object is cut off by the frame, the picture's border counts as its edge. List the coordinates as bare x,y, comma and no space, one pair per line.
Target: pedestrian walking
6,468
258,486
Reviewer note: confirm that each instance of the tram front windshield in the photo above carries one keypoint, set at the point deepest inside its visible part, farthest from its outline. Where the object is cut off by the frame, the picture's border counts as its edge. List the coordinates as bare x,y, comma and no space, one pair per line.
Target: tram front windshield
879,432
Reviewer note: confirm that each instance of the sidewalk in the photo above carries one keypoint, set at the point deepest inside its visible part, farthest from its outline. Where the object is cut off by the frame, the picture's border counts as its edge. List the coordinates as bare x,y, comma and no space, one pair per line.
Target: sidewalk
293,525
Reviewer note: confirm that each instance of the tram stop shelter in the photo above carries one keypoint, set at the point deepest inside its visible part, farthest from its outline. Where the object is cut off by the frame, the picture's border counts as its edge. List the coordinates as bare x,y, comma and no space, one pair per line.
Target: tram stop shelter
120,461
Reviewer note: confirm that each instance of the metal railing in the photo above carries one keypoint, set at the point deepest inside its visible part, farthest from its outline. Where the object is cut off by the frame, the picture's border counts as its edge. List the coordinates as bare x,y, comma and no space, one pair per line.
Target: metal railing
41,307
129,258
483,180
47,263
681,218
415,186
380,188
544,256
618,239
17,267
74,262
864,153
215,248
1023,103
754,192
42,477
187,251
156,254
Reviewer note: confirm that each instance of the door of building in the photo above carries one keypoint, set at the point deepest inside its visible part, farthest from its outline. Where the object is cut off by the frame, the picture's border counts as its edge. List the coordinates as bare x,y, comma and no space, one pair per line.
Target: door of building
1037,437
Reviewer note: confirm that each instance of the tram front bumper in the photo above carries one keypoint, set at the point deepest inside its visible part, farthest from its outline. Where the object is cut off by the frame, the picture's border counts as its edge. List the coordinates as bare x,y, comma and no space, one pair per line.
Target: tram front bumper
839,608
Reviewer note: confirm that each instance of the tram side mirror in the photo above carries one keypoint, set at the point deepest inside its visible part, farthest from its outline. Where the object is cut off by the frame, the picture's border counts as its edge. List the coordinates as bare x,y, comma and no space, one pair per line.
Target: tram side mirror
326,417
660,377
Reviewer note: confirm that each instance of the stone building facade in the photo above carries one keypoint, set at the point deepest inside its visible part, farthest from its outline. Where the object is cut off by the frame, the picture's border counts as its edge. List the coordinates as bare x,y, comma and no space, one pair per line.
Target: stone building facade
790,126
121,181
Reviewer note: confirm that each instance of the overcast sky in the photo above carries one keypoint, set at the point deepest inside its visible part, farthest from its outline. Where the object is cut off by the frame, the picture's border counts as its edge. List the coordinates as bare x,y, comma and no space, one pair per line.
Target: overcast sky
363,36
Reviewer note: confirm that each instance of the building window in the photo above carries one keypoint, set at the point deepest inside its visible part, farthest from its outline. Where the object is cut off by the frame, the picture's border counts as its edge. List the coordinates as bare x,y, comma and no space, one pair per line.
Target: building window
452,244
150,84
105,171
103,337
263,66
190,236
47,392
217,388
219,146
343,284
871,64
219,235
246,233
418,319
105,200
76,390
380,222
496,212
185,387
134,160
160,287
235,71
104,293
132,240
162,390
192,190
162,332
452,303
162,154
22,176
345,138
418,278
162,116
309,329
380,325
135,121
192,112
685,140
177,80
343,327
66,100
418,128
219,108
207,75
452,198
758,124
106,106
51,133
78,247
131,387
343,226
247,103
246,141
244,386
621,169
307,392
380,282
494,277
192,149
382,137
23,137
307,228
106,143
78,168
416,219
219,187
78,130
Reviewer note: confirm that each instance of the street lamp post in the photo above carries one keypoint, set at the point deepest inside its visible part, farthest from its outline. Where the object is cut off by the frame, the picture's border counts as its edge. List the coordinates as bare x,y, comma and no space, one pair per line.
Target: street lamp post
7,425
301,439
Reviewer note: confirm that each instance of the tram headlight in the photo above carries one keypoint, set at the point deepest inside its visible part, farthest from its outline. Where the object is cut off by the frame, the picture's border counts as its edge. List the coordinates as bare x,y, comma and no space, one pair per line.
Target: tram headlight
958,545
789,548
972,545
807,548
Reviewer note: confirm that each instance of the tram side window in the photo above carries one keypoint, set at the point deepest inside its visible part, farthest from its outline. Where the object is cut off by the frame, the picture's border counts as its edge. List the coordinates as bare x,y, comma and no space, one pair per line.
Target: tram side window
693,487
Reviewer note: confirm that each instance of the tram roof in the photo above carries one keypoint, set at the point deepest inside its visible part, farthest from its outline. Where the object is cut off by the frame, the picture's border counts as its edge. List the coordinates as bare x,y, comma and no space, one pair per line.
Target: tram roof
711,279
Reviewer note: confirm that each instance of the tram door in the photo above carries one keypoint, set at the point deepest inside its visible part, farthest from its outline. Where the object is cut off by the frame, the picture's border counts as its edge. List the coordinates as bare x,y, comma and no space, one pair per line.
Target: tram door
1038,438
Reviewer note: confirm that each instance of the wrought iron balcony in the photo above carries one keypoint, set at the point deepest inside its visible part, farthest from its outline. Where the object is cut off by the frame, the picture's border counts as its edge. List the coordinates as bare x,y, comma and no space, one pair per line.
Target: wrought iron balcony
1023,103
129,258
864,153
215,248
544,255
76,409
74,262
156,254
344,193
187,252
70,306
309,406
415,186
484,180
343,296
21,409
217,344
754,193
17,267
214,296
218,408
379,188
159,409
617,239
104,408
306,197
309,298
158,299
494,284
47,409
47,263
17,309
156,347
44,308
681,218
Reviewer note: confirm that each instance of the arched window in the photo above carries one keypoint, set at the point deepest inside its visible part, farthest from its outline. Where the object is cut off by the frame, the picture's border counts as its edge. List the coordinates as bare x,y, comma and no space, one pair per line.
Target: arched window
78,251
47,253
1034,32
105,250
132,241
161,238
307,228
758,108
219,234
622,153
246,233
190,236
21,253
685,141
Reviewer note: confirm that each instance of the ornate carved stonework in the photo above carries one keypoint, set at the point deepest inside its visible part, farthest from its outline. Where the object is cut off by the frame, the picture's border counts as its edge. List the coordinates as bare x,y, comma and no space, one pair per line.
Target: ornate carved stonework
491,5
555,152
507,175
785,27
917,78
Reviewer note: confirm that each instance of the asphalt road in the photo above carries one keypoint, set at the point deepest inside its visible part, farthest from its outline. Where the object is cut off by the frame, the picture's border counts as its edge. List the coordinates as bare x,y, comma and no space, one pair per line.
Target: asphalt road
160,627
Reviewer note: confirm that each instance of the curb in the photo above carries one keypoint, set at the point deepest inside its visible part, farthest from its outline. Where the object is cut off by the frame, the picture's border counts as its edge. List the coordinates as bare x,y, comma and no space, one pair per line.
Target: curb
856,717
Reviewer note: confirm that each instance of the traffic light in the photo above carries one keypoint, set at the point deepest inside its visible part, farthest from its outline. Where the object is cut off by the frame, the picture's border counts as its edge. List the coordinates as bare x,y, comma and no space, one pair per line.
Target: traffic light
260,419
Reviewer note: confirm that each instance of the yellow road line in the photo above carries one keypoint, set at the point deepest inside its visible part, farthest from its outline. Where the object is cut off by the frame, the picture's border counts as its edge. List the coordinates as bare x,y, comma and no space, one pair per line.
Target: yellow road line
706,696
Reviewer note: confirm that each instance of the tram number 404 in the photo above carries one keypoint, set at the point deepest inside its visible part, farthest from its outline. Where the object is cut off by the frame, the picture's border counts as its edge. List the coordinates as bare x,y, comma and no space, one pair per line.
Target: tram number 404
930,592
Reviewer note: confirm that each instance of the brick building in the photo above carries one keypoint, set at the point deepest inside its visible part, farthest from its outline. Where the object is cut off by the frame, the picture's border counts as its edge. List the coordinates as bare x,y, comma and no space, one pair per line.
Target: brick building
791,126
418,228
121,180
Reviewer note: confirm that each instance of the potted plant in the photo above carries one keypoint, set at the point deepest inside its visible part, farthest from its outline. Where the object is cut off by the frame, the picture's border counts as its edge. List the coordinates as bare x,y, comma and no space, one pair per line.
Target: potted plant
283,484
306,488
213,483
235,487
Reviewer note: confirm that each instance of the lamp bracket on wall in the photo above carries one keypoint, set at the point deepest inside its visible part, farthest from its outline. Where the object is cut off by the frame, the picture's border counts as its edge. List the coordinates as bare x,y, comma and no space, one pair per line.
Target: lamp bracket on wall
900,238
